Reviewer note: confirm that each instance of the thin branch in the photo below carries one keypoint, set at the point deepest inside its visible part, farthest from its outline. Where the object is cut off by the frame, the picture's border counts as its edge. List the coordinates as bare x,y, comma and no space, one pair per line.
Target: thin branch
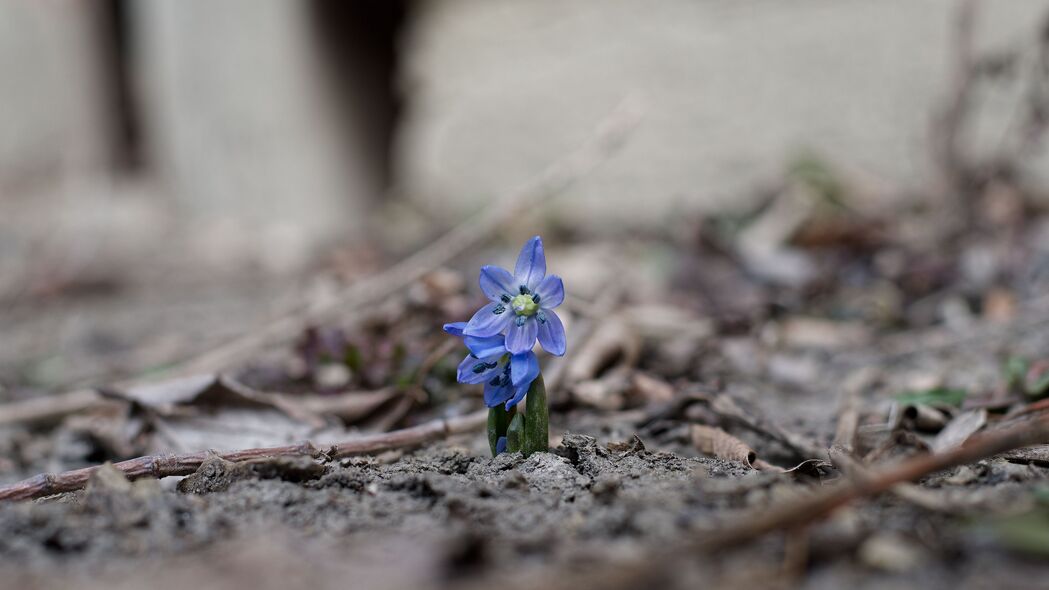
158,466
47,410
807,510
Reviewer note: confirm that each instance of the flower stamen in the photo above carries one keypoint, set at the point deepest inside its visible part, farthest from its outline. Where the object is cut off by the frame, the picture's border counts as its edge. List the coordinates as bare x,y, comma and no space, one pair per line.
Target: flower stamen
524,305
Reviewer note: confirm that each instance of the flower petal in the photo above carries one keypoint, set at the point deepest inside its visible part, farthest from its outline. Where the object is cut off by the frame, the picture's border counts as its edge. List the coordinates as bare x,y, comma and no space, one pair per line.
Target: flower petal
552,333
487,322
497,394
496,282
520,336
474,370
500,445
455,328
519,394
524,368
551,292
487,347
531,264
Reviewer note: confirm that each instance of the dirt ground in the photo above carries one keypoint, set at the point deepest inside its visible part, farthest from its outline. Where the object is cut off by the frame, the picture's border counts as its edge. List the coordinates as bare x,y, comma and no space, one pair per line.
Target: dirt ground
603,509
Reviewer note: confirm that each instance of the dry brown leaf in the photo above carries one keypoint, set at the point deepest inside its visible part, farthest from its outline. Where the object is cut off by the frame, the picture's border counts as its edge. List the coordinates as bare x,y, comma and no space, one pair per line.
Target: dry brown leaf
606,393
651,390
821,334
810,467
613,342
959,430
168,398
196,390
349,407
715,441
763,247
661,322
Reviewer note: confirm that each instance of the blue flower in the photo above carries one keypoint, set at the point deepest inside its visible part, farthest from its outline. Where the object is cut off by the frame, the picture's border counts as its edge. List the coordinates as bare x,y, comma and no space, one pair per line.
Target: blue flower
522,304
506,377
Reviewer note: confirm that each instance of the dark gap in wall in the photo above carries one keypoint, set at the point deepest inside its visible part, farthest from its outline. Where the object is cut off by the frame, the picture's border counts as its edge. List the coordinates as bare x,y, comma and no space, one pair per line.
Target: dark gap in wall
359,45
125,118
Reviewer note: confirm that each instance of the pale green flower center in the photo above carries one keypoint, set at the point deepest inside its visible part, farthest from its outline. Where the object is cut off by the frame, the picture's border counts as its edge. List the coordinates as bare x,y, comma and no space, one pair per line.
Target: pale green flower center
524,305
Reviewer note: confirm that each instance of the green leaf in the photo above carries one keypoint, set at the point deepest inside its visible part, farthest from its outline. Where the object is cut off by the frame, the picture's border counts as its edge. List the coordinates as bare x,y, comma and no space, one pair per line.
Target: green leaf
353,358
498,422
937,396
537,420
818,175
1028,533
1015,370
515,434
1036,381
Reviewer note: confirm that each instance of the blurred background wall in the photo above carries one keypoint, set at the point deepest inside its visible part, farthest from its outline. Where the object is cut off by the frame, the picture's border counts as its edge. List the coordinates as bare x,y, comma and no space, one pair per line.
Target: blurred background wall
259,131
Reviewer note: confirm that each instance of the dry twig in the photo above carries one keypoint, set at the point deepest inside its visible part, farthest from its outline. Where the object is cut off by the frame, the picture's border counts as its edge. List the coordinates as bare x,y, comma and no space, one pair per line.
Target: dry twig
158,466
812,508
51,409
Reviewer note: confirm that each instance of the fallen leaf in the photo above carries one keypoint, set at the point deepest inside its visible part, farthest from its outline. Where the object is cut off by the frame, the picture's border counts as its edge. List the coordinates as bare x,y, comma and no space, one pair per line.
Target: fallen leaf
762,245
717,442
349,407
651,390
821,334
932,397
606,393
959,430
614,342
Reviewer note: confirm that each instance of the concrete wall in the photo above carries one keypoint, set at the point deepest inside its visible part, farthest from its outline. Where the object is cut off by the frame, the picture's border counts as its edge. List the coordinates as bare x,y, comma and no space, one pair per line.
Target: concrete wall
52,113
243,131
734,89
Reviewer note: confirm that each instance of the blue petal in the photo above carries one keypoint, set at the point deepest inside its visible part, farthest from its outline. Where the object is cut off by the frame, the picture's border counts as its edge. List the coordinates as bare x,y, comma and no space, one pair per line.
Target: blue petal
524,368
552,333
473,370
488,347
488,323
496,394
455,328
521,338
496,282
551,292
531,264
519,394
500,445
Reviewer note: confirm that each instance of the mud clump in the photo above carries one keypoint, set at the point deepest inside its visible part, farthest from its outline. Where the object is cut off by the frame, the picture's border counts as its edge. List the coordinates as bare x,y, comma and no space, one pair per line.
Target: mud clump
217,474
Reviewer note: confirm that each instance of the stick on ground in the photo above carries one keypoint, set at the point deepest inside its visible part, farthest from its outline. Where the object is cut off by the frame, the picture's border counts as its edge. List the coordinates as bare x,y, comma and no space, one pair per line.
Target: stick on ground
158,466
807,510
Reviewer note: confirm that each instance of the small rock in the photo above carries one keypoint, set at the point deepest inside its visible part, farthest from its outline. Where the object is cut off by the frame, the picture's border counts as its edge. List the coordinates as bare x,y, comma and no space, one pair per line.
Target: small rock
793,369
215,474
606,489
108,479
891,552
332,376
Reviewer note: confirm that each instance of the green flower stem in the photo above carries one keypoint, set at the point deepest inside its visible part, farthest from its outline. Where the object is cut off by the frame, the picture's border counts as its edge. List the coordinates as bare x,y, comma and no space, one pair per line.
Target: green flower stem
498,423
515,434
537,420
